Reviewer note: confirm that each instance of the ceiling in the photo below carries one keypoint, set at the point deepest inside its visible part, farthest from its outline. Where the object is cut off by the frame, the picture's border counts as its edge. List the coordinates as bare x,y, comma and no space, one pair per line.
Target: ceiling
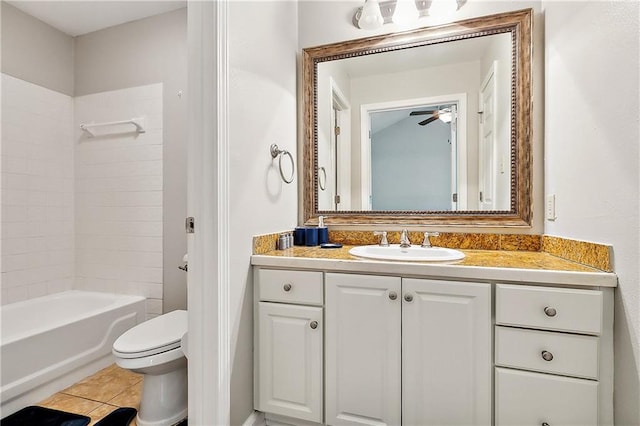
81,17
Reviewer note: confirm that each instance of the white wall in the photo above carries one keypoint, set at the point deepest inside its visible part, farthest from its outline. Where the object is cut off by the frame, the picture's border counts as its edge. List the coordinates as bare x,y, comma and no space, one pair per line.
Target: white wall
262,107
119,200
37,191
322,22
35,51
592,162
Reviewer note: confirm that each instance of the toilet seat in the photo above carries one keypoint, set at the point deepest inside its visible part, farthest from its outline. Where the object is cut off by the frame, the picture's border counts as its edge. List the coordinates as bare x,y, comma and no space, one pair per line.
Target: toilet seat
152,337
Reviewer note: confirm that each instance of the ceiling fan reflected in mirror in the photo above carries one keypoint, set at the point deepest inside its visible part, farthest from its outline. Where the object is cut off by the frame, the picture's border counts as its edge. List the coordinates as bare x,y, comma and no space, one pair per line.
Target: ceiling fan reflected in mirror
444,114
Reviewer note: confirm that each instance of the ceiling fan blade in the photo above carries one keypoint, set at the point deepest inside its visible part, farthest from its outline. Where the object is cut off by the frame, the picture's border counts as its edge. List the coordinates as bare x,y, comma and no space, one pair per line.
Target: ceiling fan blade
428,120
421,112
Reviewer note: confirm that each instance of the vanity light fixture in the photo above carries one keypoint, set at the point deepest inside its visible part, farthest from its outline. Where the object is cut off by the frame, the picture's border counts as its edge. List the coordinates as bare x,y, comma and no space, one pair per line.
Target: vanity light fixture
406,12
373,14
370,16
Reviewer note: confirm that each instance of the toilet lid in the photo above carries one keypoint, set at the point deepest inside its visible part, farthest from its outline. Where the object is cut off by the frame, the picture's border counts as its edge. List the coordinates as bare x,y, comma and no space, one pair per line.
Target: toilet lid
159,334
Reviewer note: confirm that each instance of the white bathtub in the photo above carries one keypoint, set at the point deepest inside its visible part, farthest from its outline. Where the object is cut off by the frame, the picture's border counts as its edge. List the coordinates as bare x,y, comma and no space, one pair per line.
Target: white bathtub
51,342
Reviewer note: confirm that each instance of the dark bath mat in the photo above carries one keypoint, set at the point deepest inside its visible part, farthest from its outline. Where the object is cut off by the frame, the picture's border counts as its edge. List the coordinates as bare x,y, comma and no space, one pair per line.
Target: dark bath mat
41,416
119,417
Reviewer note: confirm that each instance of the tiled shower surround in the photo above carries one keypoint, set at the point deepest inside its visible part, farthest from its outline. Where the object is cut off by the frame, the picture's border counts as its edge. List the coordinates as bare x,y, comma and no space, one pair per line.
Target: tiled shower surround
81,212
118,208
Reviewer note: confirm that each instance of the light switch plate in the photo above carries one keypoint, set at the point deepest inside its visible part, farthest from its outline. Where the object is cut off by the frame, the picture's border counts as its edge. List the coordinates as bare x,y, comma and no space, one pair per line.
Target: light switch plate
550,211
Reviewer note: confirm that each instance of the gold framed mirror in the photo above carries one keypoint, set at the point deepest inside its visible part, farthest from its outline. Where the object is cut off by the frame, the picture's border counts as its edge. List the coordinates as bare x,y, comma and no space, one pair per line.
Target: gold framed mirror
431,126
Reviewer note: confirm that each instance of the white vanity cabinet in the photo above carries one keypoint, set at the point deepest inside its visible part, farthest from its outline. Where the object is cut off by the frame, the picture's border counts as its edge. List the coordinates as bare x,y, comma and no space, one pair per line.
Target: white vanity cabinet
553,356
288,343
407,351
349,346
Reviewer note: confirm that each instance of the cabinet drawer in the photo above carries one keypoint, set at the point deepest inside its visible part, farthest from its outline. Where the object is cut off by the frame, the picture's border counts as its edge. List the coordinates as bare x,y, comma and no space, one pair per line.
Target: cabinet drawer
303,287
524,398
546,351
560,309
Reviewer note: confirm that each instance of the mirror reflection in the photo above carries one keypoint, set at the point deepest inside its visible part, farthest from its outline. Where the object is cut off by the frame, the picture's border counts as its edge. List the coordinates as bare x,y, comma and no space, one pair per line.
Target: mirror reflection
420,129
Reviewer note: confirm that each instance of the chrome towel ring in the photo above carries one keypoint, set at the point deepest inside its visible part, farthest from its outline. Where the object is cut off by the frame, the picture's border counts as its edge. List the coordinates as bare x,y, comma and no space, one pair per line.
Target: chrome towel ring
322,178
275,152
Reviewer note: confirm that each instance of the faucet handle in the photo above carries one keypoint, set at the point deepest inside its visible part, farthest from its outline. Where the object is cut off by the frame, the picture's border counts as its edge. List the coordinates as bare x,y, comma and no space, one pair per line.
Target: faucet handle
427,242
383,241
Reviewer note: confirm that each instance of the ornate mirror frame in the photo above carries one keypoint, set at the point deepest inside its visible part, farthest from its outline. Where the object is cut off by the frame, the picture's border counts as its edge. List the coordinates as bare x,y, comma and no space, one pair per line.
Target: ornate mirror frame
519,25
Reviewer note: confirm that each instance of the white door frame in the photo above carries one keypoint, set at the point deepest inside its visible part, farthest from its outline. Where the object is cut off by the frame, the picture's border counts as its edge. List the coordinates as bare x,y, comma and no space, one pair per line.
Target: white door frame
208,202
365,142
341,155
487,178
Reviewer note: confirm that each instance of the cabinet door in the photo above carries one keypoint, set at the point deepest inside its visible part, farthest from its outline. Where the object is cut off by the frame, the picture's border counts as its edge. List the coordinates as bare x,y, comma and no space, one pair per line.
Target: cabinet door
533,399
290,360
446,353
362,350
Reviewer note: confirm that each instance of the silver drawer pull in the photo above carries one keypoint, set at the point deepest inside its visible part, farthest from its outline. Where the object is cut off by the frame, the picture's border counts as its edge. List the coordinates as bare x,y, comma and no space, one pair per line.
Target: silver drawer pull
313,325
393,295
286,287
551,312
547,356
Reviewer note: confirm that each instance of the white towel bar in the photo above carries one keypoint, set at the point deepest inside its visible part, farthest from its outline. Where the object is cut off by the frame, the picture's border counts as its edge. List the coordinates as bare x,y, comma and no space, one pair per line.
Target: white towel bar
138,122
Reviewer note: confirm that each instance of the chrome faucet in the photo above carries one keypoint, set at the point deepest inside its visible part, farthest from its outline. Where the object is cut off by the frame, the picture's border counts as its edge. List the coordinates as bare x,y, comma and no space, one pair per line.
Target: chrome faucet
383,239
427,242
404,239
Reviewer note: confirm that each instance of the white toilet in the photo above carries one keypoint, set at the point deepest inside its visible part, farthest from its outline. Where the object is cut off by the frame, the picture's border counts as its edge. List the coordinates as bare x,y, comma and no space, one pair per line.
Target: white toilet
153,348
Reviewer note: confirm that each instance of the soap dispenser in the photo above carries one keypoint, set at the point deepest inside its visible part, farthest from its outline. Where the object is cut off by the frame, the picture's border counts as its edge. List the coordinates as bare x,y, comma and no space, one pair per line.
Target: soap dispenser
323,231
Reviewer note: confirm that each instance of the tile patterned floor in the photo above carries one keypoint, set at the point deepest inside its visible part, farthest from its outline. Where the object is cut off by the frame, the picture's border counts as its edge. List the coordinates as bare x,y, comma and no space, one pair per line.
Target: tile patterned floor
98,395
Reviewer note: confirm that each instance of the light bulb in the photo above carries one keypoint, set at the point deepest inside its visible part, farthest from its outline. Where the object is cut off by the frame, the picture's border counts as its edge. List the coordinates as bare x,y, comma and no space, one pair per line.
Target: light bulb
445,117
406,12
443,8
371,17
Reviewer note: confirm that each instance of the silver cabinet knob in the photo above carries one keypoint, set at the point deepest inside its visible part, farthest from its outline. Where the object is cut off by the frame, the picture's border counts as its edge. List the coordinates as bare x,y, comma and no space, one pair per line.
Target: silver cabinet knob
286,287
393,295
313,325
544,424
551,312
547,356
408,297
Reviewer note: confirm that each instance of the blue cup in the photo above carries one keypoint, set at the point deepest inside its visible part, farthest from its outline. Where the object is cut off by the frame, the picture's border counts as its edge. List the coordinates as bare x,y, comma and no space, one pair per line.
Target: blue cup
311,236
298,236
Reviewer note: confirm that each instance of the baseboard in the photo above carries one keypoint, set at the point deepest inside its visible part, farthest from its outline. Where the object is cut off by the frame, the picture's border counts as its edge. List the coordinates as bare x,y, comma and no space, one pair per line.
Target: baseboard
276,420
255,419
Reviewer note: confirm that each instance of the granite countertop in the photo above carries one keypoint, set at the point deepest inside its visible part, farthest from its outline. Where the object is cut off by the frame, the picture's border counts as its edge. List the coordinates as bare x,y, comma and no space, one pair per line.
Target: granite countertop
484,265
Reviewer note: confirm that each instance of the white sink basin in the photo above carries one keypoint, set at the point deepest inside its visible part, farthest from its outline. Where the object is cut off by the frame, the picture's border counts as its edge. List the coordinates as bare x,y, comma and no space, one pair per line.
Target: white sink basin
411,254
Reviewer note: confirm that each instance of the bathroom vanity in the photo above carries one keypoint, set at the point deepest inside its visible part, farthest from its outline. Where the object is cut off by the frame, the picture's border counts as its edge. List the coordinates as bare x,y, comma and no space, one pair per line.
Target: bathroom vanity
499,338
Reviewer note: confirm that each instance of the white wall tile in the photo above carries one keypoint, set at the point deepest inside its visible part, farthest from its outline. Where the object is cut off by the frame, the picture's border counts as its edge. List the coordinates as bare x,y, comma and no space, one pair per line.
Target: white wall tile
118,194
37,154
